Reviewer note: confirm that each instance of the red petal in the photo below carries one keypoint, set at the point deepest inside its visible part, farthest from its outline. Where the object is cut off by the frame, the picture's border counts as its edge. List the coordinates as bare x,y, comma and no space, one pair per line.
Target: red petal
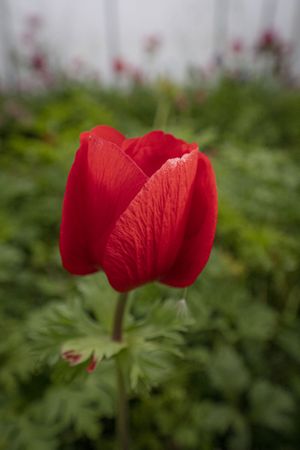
104,132
146,238
72,357
200,231
151,151
92,364
101,184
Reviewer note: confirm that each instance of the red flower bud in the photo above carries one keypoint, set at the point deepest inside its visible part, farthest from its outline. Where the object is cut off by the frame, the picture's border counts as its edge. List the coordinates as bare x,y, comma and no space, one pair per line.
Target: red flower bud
92,364
140,209
72,357
237,46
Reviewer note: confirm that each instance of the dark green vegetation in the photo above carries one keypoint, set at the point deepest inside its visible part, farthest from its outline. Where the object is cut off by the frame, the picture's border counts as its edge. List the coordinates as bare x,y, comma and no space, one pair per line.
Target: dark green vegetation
223,376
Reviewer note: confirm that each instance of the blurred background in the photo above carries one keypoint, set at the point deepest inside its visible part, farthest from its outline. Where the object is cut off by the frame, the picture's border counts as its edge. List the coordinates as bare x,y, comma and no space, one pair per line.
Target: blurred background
162,38
222,73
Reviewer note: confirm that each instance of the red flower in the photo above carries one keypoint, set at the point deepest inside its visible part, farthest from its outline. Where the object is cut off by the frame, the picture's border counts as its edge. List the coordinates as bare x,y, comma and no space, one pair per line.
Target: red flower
152,43
140,209
237,46
119,66
270,41
268,38
38,62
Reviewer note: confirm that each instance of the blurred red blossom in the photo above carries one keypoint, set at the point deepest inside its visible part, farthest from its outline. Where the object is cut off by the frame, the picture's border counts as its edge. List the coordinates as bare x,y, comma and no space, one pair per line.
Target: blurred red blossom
34,21
237,45
119,66
152,43
38,62
269,40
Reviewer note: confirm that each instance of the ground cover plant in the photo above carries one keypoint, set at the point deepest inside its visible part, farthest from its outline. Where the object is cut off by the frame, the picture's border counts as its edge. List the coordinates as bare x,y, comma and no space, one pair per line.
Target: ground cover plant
230,378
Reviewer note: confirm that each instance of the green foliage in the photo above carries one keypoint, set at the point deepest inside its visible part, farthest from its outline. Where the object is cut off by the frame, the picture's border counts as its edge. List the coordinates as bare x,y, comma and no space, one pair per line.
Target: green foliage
223,372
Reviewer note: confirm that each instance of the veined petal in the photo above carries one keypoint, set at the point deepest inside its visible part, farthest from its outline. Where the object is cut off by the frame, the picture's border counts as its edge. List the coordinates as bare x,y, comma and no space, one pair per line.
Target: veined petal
101,184
146,238
200,232
151,151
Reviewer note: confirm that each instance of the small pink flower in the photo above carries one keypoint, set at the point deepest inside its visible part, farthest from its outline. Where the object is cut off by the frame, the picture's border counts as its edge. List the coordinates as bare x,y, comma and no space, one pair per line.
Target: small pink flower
237,46
38,62
152,43
119,66
270,41
268,38
34,21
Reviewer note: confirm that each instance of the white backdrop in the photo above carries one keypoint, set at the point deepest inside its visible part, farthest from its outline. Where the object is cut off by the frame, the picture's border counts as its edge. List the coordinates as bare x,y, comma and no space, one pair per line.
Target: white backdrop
83,29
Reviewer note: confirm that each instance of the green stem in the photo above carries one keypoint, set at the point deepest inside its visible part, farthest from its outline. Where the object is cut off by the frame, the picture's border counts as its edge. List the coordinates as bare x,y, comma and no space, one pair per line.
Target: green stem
161,114
119,316
185,293
117,335
123,422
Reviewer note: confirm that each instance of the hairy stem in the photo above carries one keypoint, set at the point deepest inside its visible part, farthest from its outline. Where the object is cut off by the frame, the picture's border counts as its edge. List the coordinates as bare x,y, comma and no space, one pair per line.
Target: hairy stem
122,406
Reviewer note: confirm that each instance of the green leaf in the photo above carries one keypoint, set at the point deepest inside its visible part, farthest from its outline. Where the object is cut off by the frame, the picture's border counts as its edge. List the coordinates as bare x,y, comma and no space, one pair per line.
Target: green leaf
271,405
227,371
99,346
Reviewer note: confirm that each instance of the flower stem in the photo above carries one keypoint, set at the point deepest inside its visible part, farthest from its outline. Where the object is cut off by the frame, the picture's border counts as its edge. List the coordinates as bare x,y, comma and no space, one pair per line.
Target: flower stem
117,335
119,315
122,421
